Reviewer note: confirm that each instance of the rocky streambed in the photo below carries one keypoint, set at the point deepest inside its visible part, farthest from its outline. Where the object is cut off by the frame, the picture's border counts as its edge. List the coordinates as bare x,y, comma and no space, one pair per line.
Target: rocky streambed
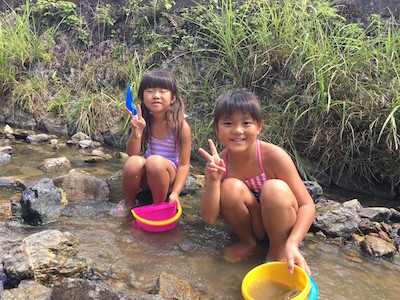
58,241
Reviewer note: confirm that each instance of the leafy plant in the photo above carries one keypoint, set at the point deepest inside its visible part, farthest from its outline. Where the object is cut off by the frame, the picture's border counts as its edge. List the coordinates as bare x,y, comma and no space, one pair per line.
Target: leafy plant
28,93
54,11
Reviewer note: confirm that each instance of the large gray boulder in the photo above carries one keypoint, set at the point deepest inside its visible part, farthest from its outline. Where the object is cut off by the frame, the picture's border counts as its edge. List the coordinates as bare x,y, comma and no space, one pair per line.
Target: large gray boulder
81,186
41,203
336,219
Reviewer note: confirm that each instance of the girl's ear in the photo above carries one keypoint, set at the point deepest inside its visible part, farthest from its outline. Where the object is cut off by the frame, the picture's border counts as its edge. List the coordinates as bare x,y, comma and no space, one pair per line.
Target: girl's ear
173,99
215,129
260,126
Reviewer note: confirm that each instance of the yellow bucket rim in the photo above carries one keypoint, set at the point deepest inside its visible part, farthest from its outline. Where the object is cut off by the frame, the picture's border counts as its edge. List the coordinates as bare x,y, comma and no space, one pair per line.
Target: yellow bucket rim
277,266
160,222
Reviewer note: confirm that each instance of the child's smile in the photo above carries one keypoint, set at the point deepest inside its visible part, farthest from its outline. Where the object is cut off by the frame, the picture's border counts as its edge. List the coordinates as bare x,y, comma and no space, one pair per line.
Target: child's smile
157,99
237,130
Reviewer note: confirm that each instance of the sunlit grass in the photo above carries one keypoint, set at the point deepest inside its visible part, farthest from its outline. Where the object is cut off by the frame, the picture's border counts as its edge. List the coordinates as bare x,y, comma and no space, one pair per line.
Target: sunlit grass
342,110
330,88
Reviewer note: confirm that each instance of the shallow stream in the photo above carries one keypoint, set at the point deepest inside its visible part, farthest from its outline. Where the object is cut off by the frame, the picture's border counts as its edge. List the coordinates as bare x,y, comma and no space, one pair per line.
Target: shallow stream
132,259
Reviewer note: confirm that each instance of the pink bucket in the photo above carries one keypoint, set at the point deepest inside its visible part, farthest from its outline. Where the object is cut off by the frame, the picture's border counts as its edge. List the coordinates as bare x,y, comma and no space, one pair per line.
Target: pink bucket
157,217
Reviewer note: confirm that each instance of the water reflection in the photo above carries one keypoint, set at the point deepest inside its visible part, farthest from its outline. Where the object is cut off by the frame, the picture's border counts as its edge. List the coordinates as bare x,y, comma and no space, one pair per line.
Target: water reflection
130,258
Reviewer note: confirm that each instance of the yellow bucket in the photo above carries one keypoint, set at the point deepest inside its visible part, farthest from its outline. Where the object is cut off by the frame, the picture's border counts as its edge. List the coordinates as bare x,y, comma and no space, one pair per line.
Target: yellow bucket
276,274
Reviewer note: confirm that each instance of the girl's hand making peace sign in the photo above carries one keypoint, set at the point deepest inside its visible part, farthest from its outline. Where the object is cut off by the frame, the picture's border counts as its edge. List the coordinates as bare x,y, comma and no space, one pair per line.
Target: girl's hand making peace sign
215,167
137,121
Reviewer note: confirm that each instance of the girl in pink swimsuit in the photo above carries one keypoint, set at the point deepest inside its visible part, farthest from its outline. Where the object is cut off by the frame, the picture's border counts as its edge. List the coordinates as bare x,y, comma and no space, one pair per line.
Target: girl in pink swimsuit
254,185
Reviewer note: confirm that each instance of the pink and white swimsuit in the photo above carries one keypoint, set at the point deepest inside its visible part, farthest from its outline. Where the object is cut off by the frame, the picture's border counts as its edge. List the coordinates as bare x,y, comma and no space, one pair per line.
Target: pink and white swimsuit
254,184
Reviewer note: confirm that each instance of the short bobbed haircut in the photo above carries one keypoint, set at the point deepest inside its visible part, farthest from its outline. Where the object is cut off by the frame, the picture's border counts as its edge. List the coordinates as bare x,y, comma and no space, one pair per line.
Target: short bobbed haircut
238,101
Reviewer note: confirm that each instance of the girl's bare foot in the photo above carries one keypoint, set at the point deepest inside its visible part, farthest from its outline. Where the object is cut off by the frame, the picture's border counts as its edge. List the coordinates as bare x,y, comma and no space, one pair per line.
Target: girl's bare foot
237,252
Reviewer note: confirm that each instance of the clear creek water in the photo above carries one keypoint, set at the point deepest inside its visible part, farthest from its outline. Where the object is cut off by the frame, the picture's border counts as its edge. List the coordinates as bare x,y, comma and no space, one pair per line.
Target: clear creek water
131,258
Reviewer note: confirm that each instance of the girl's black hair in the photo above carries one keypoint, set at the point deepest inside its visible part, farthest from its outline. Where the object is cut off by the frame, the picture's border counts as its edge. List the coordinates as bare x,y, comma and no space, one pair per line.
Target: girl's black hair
238,101
175,114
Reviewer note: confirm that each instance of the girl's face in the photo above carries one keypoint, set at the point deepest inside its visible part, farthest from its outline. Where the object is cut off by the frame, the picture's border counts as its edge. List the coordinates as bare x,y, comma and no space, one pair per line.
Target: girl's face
158,100
238,131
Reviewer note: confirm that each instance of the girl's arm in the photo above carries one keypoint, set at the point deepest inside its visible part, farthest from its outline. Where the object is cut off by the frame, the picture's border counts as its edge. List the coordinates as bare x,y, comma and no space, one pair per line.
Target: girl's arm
182,172
306,209
210,206
283,168
133,145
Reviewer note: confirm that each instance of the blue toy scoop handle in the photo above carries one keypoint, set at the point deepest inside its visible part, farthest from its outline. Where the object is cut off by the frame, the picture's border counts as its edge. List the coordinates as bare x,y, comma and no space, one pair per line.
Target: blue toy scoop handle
129,101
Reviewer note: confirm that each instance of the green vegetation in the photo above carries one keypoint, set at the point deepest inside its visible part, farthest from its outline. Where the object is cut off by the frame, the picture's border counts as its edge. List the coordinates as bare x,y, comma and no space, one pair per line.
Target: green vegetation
330,87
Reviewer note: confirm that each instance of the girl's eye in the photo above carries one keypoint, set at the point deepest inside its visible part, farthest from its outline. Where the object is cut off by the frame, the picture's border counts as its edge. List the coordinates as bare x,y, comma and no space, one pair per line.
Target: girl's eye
148,90
227,123
164,91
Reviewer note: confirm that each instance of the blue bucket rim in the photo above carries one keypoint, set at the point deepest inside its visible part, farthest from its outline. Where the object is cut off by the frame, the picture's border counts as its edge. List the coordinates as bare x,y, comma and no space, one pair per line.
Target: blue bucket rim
314,289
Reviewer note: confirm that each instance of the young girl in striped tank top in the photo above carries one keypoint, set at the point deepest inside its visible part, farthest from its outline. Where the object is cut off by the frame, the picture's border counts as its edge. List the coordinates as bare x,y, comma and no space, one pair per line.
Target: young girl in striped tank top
163,134
254,185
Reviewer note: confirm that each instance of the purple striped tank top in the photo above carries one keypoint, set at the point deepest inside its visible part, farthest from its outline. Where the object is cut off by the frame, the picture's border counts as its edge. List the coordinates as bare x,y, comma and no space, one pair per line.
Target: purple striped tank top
165,148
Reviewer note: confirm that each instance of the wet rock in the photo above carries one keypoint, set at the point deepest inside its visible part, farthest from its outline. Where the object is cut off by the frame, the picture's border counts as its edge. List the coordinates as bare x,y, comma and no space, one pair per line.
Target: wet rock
377,247
81,186
7,129
47,256
313,188
16,265
5,209
123,155
5,158
85,144
94,159
41,203
81,139
53,126
192,185
3,277
21,119
354,204
80,136
22,134
100,152
113,137
116,176
6,142
96,144
171,287
394,215
358,238
28,289
82,289
377,214
55,164
384,236
366,226
5,182
54,143
38,139
6,149
71,143
335,219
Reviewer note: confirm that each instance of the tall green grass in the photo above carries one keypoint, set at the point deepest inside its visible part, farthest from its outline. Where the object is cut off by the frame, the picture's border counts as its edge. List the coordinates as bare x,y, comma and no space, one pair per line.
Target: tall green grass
330,88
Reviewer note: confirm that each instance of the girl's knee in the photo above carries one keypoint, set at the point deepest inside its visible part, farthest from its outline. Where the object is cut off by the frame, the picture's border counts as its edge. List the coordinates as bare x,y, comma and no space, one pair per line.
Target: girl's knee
232,187
134,164
156,163
276,192
234,192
